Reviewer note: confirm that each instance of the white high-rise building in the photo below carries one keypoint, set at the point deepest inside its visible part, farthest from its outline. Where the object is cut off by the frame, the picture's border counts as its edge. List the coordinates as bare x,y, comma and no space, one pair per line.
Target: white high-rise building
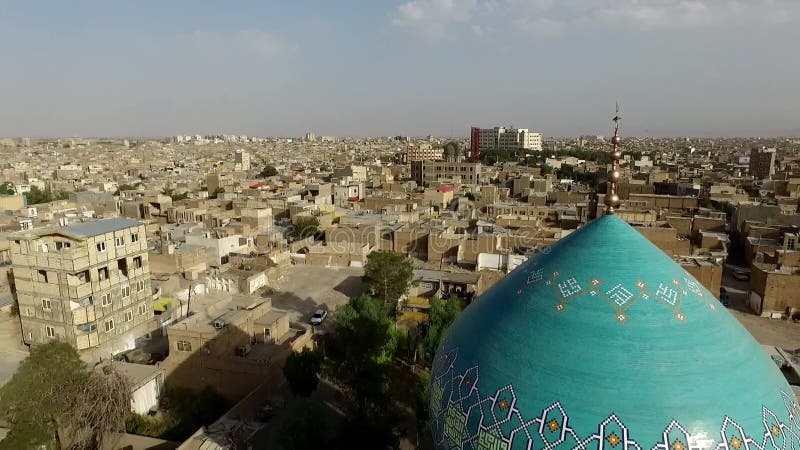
241,160
509,138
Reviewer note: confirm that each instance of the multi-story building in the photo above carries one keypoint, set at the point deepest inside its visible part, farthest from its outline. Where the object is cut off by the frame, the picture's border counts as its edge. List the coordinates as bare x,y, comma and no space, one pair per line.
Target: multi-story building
426,173
424,152
508,138
216,181
87,284
352,173
762,163
241,160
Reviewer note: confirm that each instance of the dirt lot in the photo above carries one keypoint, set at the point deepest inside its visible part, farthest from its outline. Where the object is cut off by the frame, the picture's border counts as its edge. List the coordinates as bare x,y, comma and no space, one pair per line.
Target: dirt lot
780,333
303,289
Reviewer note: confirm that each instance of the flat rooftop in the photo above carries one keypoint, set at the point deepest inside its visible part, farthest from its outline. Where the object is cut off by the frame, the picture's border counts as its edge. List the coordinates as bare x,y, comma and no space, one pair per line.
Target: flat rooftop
230,310
90,229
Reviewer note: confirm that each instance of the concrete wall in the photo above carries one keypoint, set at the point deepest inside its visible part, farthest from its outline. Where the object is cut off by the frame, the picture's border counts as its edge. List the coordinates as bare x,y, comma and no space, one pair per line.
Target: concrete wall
11,202
683,225
667,240
709,275
147,396
778,291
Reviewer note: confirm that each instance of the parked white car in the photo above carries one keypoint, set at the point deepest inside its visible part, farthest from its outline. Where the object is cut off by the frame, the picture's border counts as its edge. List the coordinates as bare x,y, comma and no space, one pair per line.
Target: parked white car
318,316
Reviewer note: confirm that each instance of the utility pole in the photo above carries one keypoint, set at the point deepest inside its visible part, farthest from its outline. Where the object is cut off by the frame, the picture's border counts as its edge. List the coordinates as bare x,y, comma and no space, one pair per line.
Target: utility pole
189,302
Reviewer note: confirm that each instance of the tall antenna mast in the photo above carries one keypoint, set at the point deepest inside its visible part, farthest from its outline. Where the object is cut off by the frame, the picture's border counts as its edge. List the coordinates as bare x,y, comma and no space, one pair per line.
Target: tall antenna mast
612,198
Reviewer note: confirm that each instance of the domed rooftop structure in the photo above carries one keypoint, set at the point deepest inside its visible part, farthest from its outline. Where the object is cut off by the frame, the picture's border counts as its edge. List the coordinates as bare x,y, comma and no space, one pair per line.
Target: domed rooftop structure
604,342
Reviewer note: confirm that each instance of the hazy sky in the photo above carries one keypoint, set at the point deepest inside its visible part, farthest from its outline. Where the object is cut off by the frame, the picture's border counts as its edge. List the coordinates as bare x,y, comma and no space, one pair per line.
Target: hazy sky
380,67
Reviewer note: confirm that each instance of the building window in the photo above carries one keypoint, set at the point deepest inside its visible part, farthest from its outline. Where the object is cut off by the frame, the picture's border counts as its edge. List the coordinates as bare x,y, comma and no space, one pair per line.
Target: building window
105,299
43,276
47,304
128,315
83,276
101,247
109,325
62,245
126,291
103,273
50,331
140,286
143,309
119,241
137,262
134,237
122,265
183,346
45,249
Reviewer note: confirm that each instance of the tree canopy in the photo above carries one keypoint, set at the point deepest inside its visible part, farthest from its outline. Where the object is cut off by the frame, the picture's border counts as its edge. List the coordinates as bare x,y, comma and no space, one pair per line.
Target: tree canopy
54,397
127,187
301,371
36,196
268,171
441,315
302,228
359,361
388,276
305,428
174,195
6,189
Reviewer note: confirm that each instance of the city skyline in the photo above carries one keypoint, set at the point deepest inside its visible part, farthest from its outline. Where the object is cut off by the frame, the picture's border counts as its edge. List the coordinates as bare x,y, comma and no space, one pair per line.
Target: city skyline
699,68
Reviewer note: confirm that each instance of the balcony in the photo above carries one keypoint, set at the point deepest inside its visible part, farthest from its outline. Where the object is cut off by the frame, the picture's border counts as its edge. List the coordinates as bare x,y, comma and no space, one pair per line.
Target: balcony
83,315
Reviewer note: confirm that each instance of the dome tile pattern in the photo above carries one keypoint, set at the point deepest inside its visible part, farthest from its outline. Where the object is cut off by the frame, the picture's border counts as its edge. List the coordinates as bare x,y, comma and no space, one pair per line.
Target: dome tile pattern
603,342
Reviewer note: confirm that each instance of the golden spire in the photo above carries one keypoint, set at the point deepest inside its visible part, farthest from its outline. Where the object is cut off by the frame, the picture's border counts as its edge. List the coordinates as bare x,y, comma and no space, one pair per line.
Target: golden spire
611,198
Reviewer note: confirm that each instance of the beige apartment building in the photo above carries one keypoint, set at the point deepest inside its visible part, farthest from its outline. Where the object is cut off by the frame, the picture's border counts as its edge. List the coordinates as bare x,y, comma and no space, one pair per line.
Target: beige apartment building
509,138
424,152
87,284
427,173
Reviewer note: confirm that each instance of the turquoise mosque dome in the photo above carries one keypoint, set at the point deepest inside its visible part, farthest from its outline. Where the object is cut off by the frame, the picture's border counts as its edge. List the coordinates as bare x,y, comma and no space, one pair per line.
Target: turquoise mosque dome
604,342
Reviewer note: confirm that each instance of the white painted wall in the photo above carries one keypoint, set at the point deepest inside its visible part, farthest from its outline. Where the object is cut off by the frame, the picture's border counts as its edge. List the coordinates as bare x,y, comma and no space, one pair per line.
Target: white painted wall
146,397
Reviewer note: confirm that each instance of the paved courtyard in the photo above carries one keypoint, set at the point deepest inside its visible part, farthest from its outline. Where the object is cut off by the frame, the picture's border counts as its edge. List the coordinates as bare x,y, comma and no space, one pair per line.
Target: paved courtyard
303,289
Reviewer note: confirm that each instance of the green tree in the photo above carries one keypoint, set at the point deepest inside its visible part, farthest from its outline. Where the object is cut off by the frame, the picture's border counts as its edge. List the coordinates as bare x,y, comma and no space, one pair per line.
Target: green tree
302,228
361,351
359,361
175,196
305,428
268,171
36,196
420,399
6,189
388,276
441,315
53,399
301,371
126,187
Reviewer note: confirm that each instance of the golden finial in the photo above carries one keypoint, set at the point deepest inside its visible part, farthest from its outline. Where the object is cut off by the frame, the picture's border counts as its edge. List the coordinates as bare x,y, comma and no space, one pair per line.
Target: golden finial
611,198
